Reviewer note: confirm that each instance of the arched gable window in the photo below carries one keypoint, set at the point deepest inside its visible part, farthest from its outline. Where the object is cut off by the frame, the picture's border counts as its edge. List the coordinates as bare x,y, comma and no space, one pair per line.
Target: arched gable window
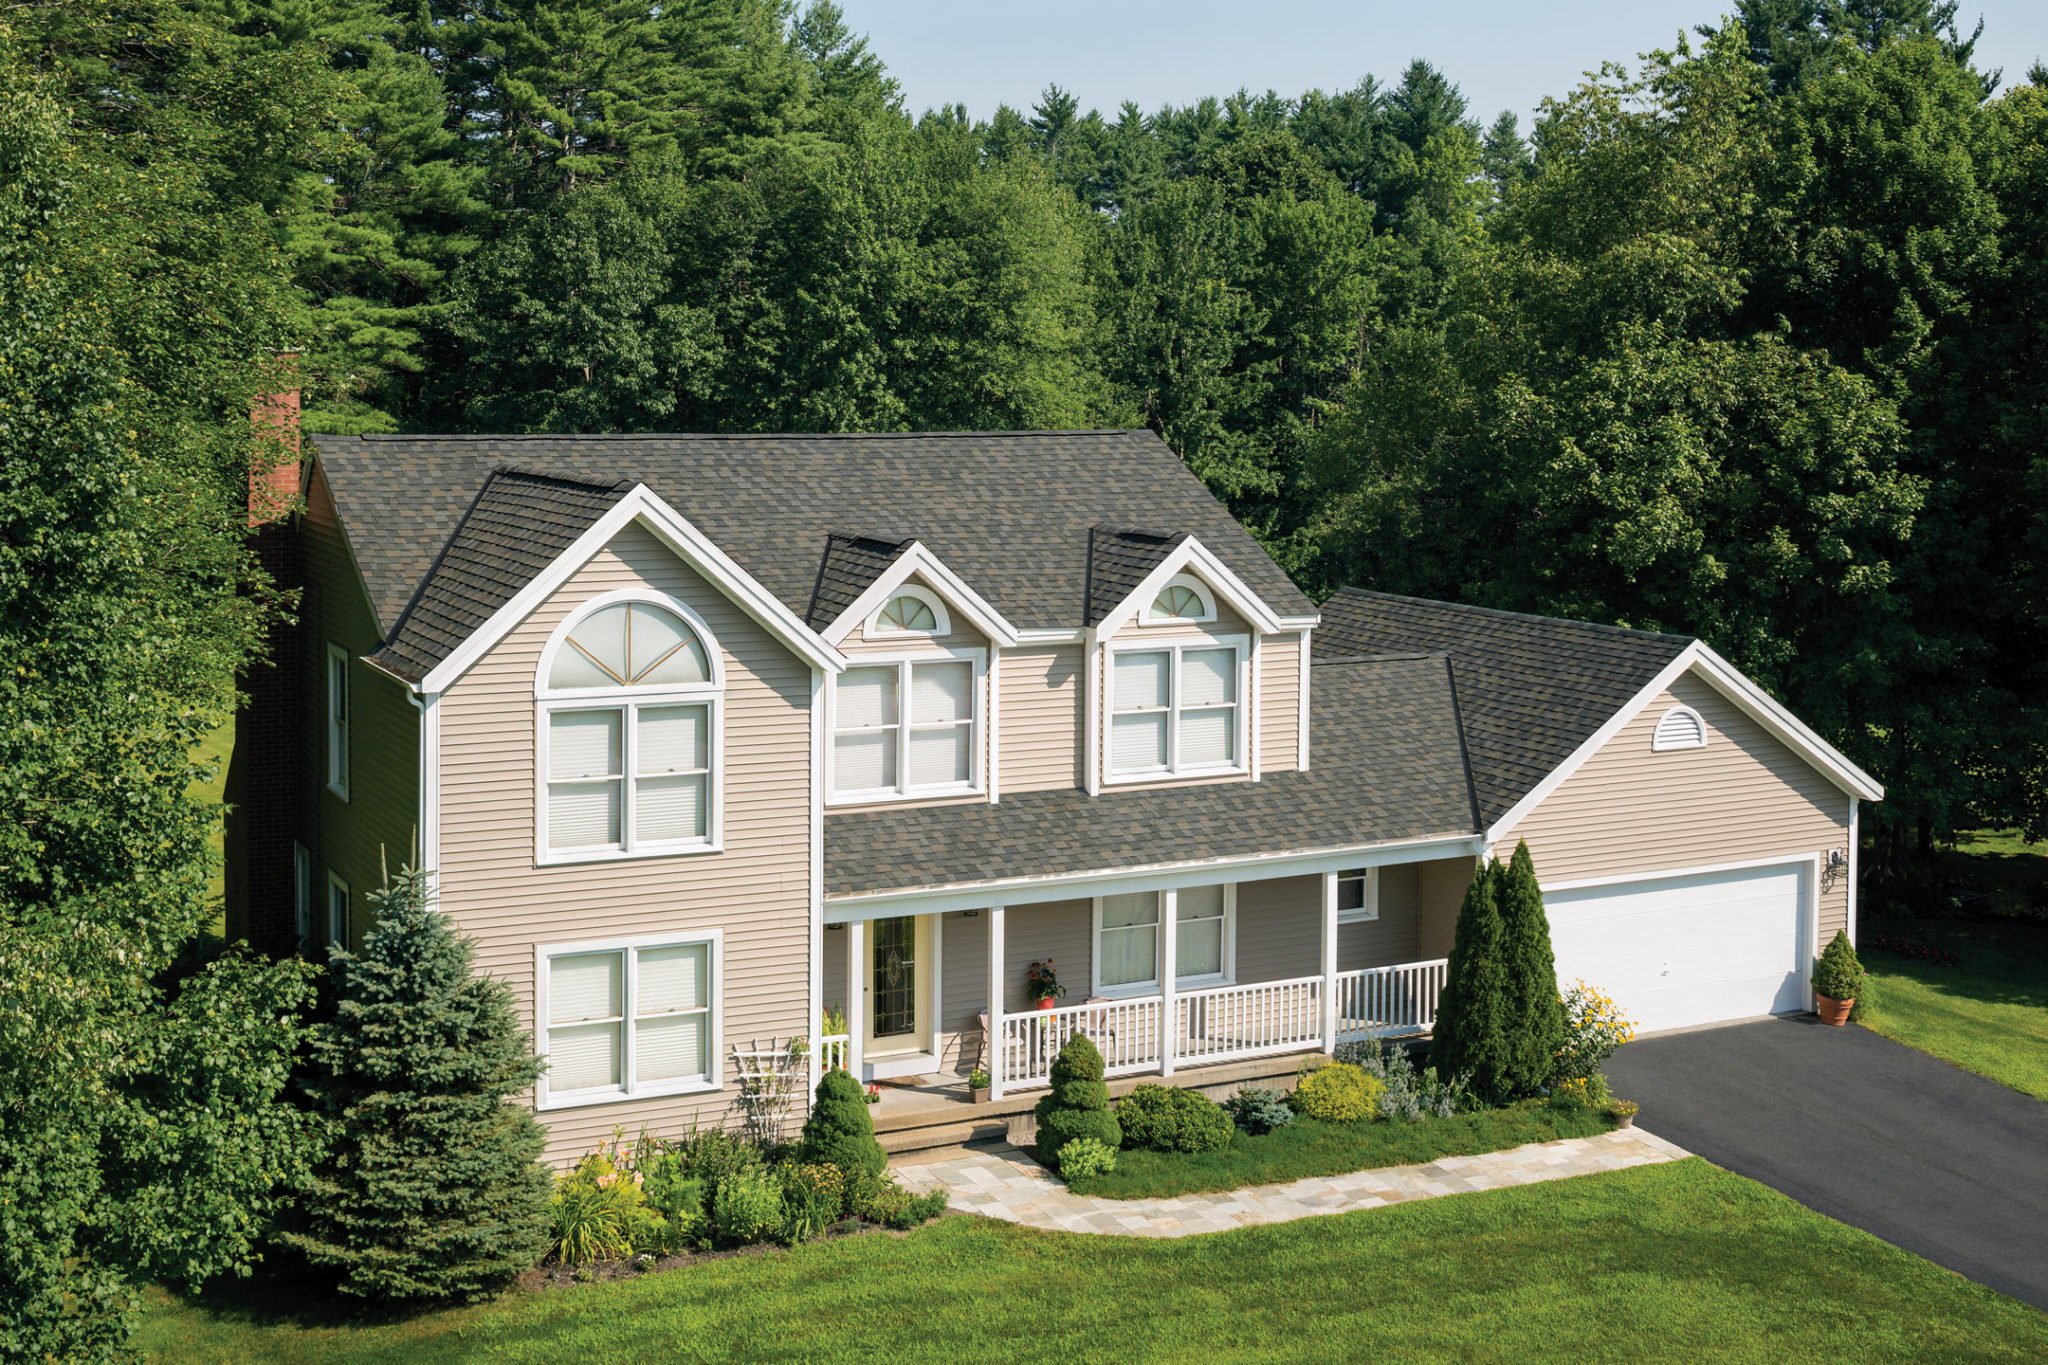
911,612
1184,598
629,693
1679,728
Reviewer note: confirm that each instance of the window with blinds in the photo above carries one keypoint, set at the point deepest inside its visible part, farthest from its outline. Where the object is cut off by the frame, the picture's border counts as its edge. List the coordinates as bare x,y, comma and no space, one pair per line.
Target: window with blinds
1175,709
908,727
1127,939
627,757
628,1020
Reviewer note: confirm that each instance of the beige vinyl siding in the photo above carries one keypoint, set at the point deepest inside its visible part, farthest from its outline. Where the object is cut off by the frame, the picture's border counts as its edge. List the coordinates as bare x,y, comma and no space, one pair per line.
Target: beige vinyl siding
377,825
1439,891
963,998
755,890
1745,796
1279,703
1040,697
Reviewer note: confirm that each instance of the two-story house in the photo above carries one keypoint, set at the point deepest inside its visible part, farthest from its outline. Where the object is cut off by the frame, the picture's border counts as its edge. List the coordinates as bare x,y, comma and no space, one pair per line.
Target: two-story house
702,736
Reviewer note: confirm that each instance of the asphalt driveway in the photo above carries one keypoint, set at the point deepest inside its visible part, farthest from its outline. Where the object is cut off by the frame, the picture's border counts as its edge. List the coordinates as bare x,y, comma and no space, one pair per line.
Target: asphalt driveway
1948,1165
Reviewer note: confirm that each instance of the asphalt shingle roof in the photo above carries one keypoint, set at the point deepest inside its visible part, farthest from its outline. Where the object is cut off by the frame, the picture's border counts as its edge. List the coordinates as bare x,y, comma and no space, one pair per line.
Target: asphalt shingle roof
1388,765
1531,689
1119,558
850,566
1010,512
519,523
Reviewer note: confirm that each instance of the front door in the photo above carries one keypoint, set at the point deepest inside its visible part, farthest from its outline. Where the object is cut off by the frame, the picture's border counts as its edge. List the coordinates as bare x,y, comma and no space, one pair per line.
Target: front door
899,958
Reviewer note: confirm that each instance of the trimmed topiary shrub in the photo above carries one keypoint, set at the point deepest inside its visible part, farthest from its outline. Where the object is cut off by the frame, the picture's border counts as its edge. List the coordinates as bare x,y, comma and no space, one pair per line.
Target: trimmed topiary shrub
1472,1012
840,1131
1839,972
1084,1157
1534,1026
1258,1110
1166,1118
1078,1104
1339,1093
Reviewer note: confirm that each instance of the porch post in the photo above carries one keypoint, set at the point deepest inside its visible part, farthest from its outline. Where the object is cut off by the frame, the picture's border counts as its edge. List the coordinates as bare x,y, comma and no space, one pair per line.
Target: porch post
856,998
993,1044
1169,957
1329,962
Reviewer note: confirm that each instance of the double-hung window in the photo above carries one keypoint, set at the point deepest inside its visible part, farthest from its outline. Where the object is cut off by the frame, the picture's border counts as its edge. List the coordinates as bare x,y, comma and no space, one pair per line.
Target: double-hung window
1176,709
1127,939
629,1018
337,721
1358,895
906,728
629,736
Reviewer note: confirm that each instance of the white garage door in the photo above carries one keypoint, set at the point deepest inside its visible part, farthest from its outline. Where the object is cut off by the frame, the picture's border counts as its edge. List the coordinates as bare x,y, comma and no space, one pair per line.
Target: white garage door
1677,951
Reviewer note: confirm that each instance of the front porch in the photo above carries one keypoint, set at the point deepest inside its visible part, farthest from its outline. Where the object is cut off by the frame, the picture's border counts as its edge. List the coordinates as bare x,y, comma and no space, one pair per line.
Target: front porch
1286,966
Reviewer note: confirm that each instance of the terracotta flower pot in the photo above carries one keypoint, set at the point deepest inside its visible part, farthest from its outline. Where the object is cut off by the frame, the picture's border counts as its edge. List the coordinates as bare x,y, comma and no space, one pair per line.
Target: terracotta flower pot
1831,1010
1047,1003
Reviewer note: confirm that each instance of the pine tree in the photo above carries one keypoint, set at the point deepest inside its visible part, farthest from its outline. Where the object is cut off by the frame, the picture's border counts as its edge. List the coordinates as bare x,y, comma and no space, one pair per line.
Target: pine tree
839,1130
432,1189
1472,1012
1535,1018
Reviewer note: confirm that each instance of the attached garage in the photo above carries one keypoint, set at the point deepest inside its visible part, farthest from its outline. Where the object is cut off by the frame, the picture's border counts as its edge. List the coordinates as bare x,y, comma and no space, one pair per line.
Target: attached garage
1695,948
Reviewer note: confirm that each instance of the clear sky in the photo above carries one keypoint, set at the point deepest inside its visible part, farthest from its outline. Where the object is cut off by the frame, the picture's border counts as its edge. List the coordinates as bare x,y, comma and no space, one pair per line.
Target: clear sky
1504,56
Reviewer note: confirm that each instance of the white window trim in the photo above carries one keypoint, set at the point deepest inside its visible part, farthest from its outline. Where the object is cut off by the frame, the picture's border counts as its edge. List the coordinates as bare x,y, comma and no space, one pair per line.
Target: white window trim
977,769
1206,981
1659,744
630,700
1370,911
1181,580
544,1099
874,629
302,891
339,720
338,933
1241,732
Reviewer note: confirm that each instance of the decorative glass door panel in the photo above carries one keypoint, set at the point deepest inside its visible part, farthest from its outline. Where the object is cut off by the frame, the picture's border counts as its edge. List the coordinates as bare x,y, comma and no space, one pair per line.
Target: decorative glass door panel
894,989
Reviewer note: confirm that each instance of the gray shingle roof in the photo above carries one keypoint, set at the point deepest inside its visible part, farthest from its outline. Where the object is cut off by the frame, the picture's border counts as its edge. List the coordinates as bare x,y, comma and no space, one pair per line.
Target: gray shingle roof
1010,512
850,566
1388,765
1531,689
518,524
1119,558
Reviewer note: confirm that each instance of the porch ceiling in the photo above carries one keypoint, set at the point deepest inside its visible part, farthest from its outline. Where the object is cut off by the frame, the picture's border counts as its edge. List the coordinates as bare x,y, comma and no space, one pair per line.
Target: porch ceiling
1388,766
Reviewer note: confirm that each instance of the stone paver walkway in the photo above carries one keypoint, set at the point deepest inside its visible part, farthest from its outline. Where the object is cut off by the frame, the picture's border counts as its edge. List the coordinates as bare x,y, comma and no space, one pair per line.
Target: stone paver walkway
1021,1191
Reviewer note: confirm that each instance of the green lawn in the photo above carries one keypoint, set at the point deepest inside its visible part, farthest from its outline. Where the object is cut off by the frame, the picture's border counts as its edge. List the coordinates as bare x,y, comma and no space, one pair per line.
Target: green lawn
1306,1147
1682,1262
1987,1014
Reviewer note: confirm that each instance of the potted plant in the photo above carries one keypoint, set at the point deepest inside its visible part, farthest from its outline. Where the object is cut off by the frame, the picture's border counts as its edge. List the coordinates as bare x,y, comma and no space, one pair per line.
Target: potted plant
1837,980
977,1085
1041,985
1623,1112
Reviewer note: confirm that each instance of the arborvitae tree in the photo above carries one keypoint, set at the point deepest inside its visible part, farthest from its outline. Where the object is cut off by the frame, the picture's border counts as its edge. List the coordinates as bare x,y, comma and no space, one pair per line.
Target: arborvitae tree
1535,1022
1078,1105
1472,1012
433,1188
839,1130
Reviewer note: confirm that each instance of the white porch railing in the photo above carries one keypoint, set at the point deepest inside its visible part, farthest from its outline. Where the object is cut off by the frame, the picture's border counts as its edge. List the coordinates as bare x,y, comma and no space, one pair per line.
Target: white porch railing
1382,1002
832,1048
1226,1023
1126,1032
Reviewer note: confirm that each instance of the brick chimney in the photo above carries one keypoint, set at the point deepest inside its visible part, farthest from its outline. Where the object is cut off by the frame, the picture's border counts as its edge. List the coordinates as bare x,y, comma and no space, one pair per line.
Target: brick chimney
264,787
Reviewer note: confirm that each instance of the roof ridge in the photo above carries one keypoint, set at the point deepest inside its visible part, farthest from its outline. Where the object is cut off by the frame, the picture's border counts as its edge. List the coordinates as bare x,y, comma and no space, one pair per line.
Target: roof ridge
402,437
1443,603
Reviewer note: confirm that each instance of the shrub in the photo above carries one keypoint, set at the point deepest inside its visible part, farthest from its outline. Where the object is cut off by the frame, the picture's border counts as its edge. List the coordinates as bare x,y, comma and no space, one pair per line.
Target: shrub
1339,1093
748,1207
710,1156
417,1066
1581,1092
600,1212
898,1208
1534,1025
840,1131
679,1199
1085,1157
1169,1119
1258,1110
1410,1094
1078,1104
1594,1030
1839,974
1472,1013
812,1195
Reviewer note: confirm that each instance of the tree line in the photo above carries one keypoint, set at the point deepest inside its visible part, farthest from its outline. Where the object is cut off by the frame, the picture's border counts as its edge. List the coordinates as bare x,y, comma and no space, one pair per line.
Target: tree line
1745,340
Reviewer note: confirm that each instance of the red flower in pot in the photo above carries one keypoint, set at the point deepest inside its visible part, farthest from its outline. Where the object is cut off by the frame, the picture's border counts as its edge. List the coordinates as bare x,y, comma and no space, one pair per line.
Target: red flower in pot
1041,985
